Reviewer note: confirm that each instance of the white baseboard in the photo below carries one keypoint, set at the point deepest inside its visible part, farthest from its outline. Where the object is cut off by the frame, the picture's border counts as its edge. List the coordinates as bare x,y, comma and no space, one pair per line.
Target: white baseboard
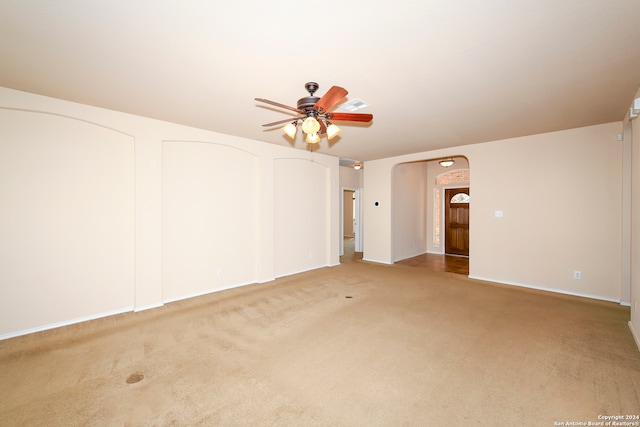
635,335
64,323
207,292
377,261
304,270
540,288
148,307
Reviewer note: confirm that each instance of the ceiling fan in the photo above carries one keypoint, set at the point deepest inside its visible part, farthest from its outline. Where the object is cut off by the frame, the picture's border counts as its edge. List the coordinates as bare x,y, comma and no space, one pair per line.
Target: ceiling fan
313,113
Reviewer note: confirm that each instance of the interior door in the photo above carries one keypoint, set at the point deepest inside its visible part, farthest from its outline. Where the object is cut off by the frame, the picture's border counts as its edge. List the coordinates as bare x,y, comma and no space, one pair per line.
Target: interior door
457,221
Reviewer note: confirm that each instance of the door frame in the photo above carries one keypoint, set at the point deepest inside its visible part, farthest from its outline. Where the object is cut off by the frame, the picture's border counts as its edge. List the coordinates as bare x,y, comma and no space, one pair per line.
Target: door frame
357,228
443,207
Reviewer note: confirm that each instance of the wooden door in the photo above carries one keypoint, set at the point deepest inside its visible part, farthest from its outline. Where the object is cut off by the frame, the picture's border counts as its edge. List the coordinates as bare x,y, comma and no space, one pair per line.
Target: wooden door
456,221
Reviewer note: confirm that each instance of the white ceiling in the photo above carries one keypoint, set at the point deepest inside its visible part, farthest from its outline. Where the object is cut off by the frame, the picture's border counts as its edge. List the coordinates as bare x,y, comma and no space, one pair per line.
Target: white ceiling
436,73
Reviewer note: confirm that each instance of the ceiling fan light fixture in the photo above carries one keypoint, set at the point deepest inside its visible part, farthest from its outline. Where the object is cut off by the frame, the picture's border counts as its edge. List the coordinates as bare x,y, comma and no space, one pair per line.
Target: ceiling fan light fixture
291,129
312,138
445,163
310,125
332,130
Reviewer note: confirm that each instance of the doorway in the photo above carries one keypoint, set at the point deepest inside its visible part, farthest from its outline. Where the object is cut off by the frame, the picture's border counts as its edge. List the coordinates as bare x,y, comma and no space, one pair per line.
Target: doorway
457,221
351,218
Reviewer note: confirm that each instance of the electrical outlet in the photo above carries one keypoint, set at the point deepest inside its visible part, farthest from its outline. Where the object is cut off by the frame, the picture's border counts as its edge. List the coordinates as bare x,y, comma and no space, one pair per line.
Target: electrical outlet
219,271
577,275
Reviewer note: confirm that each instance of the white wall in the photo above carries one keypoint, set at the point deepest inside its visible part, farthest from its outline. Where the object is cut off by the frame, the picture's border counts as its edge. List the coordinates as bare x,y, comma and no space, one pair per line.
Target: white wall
206,188
66,222
351,178
561,197
105,212
409,209
303,197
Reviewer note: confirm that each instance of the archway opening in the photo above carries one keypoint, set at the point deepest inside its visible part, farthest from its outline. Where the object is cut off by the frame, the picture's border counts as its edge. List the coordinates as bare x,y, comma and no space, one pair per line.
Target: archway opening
420,213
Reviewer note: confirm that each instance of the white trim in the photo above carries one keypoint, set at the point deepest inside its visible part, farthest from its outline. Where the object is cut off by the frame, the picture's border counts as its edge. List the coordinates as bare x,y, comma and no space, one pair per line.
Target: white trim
438,213
376,261
625,303
443,202
359,243
541,288
148,307
636,337
207,292
64,323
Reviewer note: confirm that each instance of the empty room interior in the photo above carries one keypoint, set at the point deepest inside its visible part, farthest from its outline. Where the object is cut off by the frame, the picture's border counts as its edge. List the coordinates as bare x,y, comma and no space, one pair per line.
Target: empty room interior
343,213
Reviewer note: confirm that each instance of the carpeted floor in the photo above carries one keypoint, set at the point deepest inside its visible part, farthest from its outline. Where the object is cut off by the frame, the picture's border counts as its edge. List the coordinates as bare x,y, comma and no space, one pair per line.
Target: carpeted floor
355,345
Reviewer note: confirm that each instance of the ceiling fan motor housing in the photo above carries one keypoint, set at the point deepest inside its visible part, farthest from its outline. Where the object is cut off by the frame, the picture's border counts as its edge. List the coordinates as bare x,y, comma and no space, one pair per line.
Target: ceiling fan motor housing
308,102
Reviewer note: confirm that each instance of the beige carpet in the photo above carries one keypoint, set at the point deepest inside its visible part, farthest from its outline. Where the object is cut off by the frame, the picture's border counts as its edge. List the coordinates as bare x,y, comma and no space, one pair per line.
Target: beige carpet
356,345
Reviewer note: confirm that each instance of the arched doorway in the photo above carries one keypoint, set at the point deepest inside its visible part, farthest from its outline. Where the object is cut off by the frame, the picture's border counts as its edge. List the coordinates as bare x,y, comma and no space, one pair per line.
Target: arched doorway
423,218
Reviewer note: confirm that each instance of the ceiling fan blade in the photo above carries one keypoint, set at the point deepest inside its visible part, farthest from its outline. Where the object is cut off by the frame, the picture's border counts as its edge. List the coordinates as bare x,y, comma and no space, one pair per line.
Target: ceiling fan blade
331,98
350,117
277,104
279,122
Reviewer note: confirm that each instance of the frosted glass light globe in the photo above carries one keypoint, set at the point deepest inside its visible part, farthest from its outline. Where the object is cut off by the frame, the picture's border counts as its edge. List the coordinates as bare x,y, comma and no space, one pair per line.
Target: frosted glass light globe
310,125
